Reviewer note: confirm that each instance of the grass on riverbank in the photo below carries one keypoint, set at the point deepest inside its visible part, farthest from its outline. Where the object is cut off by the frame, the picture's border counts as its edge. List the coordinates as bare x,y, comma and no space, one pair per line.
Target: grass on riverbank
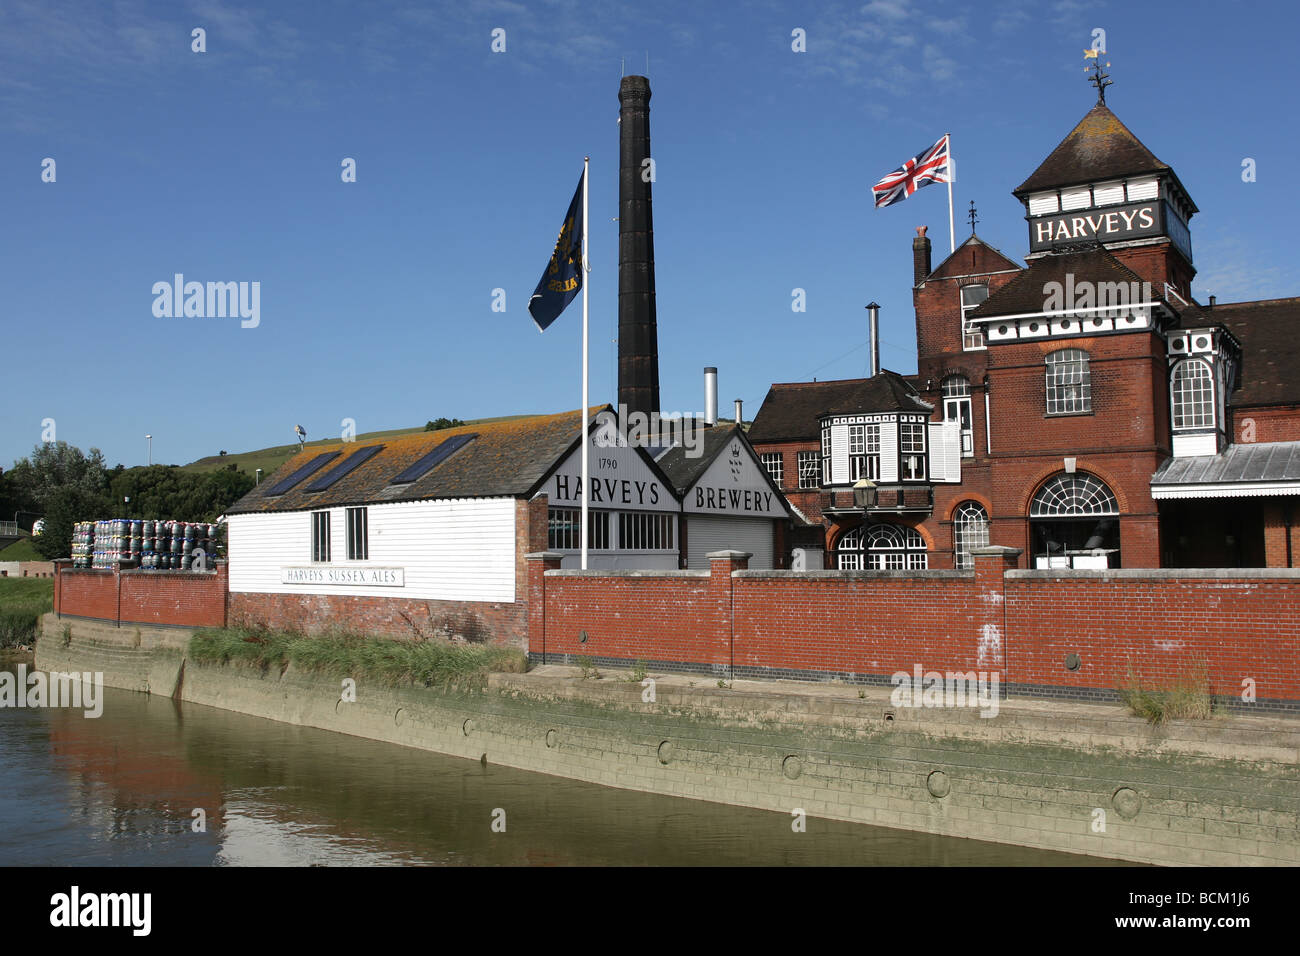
390,662
1187,697
22,602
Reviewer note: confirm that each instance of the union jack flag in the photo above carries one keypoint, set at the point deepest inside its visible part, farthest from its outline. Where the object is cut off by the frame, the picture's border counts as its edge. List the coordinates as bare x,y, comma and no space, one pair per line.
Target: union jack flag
930,166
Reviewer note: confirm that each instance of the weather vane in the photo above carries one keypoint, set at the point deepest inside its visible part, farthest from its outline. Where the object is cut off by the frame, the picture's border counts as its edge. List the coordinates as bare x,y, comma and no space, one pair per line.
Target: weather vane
1097,78
972,217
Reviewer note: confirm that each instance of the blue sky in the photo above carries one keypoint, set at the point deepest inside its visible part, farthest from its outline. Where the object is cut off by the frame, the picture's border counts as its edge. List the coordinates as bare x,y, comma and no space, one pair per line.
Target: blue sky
376,296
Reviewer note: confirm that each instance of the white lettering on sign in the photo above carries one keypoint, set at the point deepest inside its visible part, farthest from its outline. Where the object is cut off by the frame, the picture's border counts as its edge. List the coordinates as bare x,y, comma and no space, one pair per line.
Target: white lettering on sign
1128,221
368,577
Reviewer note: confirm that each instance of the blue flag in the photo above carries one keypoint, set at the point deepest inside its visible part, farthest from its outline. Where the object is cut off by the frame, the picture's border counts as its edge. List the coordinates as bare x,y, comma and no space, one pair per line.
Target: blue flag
562,279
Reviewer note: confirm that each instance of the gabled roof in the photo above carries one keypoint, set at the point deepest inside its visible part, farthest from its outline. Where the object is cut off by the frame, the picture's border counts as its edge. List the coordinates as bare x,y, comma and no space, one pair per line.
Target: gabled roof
790,412
505,459
1099,147
684,471
973,245
1024,293
1268,332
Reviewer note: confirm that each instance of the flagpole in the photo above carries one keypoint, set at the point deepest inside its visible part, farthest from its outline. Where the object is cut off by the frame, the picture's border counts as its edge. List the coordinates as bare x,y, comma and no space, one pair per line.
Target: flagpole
952,234
586,275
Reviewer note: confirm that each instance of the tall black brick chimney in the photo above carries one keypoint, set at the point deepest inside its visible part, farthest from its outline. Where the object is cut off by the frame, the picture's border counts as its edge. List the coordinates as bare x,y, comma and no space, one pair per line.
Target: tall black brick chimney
638,336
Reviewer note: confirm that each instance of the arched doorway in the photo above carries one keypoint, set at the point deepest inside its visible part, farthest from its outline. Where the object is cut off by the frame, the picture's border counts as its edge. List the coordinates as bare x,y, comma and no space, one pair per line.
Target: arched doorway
1074,523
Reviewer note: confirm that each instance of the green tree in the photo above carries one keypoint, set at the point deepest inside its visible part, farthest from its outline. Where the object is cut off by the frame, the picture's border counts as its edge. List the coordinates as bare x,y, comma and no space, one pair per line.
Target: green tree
64,508
55,466
440,423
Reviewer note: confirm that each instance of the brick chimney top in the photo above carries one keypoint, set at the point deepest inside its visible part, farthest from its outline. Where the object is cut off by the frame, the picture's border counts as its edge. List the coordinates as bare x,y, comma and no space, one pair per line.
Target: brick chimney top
920,256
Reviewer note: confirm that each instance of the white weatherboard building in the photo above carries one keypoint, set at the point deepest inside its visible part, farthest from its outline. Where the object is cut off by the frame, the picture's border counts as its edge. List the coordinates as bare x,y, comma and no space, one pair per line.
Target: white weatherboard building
430,532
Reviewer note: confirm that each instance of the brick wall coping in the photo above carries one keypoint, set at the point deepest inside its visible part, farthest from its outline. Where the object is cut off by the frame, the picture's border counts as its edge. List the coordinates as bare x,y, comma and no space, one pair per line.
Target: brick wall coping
1160,574
869,575
622,573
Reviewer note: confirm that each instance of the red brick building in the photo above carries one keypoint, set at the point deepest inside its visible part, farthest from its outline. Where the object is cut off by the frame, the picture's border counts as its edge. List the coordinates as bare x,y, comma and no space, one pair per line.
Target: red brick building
1102,416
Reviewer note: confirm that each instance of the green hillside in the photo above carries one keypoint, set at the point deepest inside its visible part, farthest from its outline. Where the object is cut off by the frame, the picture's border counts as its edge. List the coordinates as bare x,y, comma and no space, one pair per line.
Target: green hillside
20,550
269,459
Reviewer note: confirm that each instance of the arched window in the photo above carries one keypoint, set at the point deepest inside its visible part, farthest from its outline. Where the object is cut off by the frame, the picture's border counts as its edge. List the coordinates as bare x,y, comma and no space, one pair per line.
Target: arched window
1069,383
882,547
1074,523
956,407
1191,388
1073,496
970,530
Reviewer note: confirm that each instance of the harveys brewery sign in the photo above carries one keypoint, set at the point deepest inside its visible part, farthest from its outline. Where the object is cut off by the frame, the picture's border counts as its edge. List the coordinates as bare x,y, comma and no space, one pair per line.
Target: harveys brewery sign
735,483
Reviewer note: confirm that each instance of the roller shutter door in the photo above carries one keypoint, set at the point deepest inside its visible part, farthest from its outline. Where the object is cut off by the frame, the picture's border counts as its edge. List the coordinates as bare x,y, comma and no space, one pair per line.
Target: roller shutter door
705,533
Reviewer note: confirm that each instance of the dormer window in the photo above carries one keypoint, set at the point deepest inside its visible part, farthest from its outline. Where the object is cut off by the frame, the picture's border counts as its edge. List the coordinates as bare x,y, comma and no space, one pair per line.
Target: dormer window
972,297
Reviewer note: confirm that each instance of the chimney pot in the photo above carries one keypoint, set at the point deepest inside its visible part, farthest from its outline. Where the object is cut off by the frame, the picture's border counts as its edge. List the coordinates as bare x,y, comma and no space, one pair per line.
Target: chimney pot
710,396
738,412
1212,298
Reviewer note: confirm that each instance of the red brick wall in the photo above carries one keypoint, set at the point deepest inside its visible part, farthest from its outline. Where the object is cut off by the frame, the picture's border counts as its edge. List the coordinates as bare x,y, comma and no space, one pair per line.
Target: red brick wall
175,598
1160,625
1275,423
1021,624
477,621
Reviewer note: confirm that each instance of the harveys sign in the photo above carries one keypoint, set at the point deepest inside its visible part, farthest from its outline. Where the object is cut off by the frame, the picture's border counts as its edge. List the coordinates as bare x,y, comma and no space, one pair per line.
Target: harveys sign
734,484
617,477
1107,224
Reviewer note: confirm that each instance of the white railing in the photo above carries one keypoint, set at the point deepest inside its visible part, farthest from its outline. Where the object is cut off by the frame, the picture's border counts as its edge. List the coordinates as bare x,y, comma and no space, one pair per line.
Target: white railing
8,529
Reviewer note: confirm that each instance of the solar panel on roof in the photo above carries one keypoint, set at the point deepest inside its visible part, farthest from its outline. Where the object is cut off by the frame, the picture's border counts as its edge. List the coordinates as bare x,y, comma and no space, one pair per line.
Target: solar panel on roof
358,457
313,466
433,459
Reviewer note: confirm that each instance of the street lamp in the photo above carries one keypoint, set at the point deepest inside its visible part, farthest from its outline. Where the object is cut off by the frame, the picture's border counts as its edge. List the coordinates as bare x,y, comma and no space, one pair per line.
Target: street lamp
150,439
865,494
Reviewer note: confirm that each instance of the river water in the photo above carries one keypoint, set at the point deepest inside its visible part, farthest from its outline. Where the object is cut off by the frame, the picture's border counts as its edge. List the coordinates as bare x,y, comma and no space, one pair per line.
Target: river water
123,789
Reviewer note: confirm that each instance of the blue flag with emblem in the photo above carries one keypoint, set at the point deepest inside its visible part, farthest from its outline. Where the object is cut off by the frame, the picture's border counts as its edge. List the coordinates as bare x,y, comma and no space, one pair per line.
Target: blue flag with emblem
562,280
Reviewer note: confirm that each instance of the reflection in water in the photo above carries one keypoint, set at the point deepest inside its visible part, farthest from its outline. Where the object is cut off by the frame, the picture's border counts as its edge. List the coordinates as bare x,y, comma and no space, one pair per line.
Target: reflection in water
122,790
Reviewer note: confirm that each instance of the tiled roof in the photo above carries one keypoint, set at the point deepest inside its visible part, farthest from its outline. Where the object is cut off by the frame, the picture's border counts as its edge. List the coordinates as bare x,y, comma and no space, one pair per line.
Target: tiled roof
1024,293
682,470
790,412
1099,147
507,458
1269,334
1238,464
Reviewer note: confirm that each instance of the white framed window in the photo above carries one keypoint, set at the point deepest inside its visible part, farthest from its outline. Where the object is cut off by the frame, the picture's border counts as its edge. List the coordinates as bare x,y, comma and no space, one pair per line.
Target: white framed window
957,408
809,468
1191,388
774,462
1069,383
911,451
320,535
563,526
882,547
358,527
970,530
864,452
972,297
646,531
